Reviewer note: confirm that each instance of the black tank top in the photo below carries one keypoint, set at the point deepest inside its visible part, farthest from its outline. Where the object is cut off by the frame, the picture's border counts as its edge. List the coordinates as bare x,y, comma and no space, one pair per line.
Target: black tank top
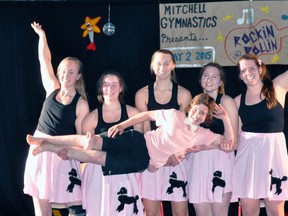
153,105
217,125
102,126
258,118
57,118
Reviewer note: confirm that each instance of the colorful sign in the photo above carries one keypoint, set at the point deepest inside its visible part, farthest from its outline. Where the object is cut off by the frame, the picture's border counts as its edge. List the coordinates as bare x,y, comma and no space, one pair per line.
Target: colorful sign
198,33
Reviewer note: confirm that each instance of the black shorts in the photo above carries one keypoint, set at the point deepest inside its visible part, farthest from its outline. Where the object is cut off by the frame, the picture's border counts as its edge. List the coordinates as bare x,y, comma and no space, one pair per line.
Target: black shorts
126,153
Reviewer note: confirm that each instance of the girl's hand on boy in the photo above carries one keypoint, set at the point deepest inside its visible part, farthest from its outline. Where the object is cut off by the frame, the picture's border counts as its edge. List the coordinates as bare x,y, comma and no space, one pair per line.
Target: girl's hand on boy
114,130
63,154
174,160
226,145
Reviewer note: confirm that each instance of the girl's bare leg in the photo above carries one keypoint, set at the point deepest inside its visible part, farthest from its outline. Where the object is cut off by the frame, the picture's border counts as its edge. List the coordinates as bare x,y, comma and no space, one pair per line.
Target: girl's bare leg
203,209
93,142
34,140
88,141
84,155
222,209
152,207
48,147
274,207
42,207
250,207
66,140
180,208
71,147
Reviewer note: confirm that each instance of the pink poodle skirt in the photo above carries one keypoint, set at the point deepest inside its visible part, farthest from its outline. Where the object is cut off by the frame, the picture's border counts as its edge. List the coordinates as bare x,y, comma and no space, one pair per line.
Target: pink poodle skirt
167,183
110,195
261,167
49,177
209,175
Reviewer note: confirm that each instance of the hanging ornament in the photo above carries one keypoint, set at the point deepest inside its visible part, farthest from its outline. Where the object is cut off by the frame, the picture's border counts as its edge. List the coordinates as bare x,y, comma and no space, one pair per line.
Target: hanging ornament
109,28
90,27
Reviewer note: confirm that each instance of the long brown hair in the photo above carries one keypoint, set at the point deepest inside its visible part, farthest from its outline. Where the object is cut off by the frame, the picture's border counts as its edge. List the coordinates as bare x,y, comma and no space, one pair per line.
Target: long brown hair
268,89
221,88
121,83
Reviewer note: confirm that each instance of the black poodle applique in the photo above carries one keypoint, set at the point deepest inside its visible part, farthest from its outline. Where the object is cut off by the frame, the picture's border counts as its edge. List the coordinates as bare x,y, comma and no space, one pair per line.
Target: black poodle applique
175,183
73,180
217,181
124,199
277,182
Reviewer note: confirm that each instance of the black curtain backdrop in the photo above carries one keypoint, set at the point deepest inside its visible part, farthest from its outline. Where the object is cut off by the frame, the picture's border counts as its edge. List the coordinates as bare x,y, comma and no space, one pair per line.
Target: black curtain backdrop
128,51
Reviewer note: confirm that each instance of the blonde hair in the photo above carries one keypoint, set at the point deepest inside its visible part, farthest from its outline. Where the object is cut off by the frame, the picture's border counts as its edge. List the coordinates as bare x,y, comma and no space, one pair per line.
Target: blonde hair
79,85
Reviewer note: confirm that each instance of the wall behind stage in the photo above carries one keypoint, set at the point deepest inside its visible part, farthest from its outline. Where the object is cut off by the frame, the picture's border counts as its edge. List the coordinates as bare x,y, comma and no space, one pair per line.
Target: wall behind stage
128,51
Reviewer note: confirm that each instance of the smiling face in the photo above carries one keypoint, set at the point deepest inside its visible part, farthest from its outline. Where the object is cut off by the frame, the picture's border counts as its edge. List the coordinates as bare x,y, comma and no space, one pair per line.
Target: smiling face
198,114
111,87
68,73
210,79
162,65
249,72
200,109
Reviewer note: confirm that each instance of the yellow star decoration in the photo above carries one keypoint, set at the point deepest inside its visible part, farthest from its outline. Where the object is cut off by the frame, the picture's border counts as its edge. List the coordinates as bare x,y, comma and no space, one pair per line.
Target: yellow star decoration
90,25
265,9
275,58
220,37
227,17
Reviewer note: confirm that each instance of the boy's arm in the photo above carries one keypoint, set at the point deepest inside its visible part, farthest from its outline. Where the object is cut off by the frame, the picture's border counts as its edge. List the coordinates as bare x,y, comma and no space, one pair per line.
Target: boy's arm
134,120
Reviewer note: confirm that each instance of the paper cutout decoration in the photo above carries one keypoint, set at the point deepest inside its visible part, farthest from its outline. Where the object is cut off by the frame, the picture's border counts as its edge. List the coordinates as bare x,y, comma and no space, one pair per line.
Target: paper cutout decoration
89,27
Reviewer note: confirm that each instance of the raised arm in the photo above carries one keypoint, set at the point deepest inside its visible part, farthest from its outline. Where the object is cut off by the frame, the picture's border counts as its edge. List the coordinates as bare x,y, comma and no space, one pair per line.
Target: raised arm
281,87
134,120
49,80
227,141
232,110
282,80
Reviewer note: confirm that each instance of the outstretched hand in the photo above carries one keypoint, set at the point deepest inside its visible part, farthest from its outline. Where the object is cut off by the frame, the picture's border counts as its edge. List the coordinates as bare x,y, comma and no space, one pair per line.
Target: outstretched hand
37,27
220,112
114,130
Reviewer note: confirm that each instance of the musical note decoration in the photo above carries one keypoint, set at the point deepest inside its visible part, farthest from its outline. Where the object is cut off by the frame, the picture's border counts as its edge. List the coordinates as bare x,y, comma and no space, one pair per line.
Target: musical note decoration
247,15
